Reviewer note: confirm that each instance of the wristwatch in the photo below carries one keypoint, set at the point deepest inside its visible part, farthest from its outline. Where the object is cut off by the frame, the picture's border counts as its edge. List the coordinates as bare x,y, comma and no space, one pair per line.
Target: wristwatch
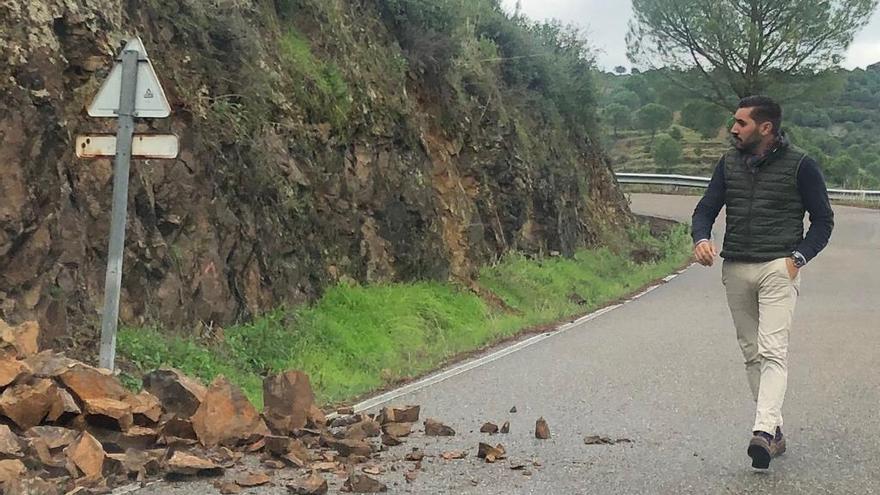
798,258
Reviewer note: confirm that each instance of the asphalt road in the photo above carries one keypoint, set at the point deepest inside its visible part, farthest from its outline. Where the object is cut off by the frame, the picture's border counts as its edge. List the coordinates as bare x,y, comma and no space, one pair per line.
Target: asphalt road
665,371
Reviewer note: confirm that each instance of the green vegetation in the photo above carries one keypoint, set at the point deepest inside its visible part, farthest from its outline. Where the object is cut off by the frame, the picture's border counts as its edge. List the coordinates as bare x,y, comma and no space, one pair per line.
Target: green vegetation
654,117
666,152
734,49
357,339
837,126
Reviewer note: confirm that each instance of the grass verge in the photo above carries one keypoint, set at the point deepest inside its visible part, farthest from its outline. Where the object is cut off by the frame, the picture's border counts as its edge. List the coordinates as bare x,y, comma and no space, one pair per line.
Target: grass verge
358,339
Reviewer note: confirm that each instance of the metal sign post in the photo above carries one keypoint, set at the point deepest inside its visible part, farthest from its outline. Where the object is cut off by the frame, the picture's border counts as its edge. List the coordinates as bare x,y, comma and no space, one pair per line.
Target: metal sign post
121,164
131,90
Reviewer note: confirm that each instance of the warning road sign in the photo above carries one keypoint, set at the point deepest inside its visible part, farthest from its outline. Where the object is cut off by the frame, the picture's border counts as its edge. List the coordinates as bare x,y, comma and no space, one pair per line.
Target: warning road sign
150,101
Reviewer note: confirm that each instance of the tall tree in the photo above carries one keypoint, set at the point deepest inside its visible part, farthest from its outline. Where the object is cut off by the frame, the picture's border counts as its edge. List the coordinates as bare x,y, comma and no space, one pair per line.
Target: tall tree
740,47
654,117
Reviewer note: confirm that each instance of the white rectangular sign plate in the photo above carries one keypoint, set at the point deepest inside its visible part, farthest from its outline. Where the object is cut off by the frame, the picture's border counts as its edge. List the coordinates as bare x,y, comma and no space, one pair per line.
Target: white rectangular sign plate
164,146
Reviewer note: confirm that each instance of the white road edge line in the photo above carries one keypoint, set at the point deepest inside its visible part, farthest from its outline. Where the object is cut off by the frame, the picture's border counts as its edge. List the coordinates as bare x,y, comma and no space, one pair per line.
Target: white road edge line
518,346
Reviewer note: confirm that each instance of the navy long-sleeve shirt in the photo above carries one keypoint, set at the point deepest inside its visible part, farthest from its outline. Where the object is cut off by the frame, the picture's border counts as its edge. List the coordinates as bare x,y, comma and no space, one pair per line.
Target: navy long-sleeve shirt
814,195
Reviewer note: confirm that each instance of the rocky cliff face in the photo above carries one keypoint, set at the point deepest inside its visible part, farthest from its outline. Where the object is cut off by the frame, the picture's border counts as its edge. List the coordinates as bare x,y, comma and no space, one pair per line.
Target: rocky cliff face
293,174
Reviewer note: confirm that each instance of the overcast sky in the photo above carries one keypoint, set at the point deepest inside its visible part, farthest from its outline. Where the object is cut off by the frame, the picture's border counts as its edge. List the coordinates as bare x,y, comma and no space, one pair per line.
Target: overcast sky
605,22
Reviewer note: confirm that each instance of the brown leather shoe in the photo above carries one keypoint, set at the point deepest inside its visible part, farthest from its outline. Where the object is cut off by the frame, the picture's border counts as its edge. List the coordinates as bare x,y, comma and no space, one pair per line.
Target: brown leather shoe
760,450
777,445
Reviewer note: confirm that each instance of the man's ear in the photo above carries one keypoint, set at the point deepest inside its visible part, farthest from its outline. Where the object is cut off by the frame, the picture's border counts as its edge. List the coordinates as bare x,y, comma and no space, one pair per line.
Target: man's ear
765,128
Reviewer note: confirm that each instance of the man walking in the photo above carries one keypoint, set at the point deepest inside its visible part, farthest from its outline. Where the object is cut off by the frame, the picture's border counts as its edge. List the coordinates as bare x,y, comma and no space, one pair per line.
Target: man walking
767,185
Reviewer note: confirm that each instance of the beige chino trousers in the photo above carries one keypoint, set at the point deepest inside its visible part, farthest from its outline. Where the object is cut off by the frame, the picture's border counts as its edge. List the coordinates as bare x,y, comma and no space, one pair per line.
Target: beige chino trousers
762,298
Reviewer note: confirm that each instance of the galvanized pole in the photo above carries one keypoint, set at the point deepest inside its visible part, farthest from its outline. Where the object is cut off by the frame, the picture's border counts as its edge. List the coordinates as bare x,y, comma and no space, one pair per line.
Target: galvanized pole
113,282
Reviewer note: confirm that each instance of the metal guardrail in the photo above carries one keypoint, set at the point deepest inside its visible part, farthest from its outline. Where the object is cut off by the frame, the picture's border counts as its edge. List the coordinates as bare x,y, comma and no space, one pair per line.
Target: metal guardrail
703,182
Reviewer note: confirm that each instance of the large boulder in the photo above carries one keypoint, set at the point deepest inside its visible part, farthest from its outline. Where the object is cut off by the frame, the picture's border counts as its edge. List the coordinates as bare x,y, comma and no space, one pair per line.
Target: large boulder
288,400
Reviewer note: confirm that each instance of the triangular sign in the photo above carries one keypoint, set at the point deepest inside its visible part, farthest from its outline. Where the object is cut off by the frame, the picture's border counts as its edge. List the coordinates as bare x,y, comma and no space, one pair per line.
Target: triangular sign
150,101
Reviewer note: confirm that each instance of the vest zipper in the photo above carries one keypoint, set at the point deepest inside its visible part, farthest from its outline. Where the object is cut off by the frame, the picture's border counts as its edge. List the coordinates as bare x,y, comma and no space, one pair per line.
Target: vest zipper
753,174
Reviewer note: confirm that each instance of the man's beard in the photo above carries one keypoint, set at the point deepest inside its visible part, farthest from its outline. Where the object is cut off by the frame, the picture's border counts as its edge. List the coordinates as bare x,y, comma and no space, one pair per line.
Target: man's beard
744,146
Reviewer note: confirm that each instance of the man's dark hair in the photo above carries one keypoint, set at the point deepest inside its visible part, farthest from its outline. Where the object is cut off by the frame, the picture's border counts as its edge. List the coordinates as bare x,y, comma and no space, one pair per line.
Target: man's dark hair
764,109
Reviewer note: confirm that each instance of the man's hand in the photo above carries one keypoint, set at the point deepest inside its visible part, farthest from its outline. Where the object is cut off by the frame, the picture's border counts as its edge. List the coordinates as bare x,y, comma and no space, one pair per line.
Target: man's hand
705,253
792,268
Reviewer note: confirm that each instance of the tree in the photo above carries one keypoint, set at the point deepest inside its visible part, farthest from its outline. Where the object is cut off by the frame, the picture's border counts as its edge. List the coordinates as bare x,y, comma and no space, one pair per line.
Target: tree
653,117
666,152
620,69
739,48
703,117
626,98
618,115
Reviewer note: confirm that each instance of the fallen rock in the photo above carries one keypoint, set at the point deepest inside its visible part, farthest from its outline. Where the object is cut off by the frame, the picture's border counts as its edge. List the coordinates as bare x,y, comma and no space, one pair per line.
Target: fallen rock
10,445
416,455
453,454
49,364
252,479
343,421
11,370
313,484
364,429
176,429
227,487
32,486
490,428
347,448
11,469
226,417
325,467
602,440
373,469
411,475
87,454
278,445
138,463
53,465
345,411
64,407
513,410
542,430
86,383
145,408
391,440
54,436
27,404
397,429
189,464
490,453
21,338
273,464
288,401
316,417
434,428
361,483
178,393
108,413
406,414
505,428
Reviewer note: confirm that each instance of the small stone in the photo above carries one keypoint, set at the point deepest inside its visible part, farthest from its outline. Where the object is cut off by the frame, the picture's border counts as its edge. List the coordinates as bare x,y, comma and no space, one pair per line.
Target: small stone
11,370
227,487
54,436
345,411
22,338
407,414
490,453
434,428
252,479
361,483
27,405
391,441
347,448
397,429
190,464
505,428
490,428
313,484
273,464
453,454
410,476
542,430
513,410
416,455
597,440
108,413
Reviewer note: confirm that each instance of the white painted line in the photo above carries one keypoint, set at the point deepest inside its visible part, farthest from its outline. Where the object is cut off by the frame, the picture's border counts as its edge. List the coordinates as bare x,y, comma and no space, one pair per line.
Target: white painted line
467,366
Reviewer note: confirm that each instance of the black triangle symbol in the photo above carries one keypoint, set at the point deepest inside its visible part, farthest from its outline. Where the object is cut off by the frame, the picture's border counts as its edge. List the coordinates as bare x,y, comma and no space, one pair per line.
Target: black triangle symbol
148,94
